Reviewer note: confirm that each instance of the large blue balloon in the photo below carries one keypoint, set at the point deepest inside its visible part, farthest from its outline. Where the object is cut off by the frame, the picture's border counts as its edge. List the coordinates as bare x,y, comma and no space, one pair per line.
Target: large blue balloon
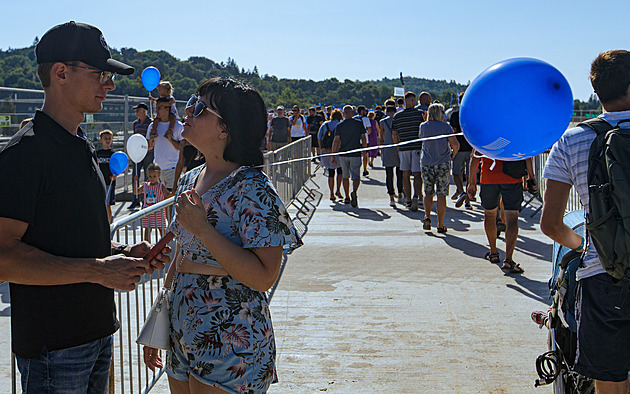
150,78
118,163
516,109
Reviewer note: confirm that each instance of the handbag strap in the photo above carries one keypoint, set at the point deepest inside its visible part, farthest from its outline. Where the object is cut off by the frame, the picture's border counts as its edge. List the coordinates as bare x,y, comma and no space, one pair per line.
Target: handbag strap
170,272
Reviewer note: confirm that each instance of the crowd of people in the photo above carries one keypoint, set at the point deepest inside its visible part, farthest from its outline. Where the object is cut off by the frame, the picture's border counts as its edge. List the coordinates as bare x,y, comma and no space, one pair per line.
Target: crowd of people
230,225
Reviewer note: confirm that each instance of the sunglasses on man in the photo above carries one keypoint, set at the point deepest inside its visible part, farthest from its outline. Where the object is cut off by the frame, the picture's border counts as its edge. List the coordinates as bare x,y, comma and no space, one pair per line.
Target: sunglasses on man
106,76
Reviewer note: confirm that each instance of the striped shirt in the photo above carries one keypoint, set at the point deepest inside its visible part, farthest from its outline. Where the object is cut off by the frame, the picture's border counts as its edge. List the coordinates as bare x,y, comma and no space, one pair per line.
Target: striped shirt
407,124
568,163
153,195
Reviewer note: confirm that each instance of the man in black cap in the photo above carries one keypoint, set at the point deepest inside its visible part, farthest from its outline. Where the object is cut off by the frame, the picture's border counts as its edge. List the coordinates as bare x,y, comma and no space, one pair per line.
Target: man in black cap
140,126
55,248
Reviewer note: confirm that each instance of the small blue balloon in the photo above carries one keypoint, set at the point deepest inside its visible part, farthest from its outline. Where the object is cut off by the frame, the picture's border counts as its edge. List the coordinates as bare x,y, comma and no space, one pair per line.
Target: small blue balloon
150,78
516,109
118,163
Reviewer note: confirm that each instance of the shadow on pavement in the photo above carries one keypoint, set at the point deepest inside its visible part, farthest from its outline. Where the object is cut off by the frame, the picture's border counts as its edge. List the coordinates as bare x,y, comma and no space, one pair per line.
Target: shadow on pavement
533,289
467,247
361,213
373,182
534,248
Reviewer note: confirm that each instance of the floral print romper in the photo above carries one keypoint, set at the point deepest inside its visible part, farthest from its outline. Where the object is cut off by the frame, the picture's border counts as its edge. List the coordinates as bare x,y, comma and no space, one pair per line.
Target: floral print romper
221,331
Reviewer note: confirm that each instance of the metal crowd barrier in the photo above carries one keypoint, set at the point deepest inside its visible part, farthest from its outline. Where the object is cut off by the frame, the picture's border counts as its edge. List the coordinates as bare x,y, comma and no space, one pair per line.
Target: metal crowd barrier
573,203
289,178
129,374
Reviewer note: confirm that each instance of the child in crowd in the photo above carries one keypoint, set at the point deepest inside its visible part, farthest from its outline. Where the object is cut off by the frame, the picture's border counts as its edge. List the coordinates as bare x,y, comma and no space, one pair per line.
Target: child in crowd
154,192
165,89
106,137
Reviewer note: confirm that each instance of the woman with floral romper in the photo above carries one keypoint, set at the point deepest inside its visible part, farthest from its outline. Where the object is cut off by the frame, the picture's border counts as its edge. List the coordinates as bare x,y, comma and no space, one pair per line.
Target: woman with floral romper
231,229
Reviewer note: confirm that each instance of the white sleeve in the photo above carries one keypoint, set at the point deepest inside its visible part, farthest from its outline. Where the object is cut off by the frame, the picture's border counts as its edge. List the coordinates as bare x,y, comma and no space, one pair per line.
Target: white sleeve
366,122
177,131
149,130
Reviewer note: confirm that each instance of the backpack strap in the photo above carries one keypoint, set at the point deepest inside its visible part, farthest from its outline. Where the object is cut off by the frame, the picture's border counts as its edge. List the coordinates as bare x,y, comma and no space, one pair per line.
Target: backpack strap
599,125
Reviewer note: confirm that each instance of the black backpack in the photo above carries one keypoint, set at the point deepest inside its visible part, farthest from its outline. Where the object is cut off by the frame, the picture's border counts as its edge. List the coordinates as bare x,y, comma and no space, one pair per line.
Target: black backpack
515,169
608,218
329,136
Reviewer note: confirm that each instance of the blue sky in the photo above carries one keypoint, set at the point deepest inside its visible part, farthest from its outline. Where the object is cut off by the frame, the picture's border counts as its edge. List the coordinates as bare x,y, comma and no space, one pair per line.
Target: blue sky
318,40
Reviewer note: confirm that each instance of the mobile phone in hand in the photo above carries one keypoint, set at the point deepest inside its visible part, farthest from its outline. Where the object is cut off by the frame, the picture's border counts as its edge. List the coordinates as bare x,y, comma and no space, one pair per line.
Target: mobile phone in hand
157,248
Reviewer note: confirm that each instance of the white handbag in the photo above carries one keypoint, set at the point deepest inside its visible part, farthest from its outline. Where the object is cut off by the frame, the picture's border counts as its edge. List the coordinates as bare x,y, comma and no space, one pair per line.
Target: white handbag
157,328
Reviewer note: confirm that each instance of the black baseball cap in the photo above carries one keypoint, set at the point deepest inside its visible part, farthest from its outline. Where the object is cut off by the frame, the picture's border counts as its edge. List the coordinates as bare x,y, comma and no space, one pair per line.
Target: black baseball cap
73,41
141,105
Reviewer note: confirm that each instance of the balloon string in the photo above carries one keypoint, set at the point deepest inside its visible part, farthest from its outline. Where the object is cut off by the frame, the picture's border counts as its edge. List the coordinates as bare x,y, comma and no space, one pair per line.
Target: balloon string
478,155
359,150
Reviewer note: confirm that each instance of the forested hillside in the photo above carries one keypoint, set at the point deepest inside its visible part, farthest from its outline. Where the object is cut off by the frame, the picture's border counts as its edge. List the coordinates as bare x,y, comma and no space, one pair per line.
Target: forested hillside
18,69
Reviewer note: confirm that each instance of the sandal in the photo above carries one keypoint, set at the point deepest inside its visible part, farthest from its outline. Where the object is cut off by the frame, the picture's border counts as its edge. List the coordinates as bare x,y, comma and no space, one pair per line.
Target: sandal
441,230
492,257
426,224
511,267
338,194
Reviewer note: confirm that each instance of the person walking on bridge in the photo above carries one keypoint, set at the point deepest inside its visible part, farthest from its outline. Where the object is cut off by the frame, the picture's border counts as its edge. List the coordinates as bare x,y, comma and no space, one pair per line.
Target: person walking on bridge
349,135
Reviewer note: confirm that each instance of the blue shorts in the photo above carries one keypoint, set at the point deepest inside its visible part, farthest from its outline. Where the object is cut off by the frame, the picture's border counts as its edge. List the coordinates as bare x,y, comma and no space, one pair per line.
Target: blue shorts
221,333
602,311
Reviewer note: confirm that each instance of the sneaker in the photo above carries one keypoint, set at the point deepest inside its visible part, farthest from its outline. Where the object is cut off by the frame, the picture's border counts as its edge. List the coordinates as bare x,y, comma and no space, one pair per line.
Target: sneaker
392,203
353,200
402,200
365,173
414,204
460,200
426,224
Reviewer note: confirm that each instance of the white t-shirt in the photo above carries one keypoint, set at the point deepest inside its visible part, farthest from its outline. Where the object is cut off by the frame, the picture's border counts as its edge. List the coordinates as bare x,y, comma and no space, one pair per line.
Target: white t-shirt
366,122
166,155
297,129
568,163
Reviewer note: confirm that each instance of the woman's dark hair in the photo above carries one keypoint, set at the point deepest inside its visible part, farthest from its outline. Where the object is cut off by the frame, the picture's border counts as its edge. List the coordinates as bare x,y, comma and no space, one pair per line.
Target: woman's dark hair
244,116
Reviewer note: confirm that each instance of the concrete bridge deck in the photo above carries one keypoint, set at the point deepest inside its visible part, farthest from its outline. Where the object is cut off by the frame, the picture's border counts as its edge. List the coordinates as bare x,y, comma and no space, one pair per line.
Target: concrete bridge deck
373,304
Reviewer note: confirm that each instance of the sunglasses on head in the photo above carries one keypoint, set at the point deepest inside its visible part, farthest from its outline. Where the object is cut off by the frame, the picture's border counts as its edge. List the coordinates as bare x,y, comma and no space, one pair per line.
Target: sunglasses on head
105,77
199,106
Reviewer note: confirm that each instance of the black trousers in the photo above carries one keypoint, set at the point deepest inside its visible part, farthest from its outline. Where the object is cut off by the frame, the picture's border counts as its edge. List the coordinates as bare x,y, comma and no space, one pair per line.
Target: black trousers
389,180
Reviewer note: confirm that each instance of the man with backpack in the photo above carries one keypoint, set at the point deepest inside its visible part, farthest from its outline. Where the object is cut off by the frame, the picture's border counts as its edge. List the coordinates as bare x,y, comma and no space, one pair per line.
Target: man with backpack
602,299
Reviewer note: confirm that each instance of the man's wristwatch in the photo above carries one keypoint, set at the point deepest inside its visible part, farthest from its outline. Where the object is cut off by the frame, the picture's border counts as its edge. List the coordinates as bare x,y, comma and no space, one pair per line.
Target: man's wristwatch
120,249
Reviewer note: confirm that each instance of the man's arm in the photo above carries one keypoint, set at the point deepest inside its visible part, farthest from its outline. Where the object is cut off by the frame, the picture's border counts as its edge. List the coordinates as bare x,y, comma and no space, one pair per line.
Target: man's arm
335,148
530,174
24,264
180,164
452,141
471,189
551,220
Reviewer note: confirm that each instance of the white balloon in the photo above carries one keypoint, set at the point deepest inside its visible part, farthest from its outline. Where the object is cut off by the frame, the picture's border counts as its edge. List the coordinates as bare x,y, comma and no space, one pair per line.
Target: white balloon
137,147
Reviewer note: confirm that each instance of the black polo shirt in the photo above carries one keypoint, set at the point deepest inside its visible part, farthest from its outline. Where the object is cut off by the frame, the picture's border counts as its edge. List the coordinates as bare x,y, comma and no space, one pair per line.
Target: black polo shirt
50,179
350,132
